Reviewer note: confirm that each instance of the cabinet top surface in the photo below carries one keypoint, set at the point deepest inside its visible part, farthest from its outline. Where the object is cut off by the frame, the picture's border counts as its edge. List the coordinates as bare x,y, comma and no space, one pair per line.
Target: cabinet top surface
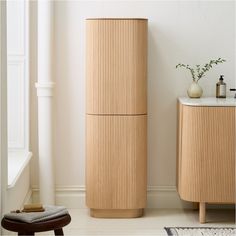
145,19
208,101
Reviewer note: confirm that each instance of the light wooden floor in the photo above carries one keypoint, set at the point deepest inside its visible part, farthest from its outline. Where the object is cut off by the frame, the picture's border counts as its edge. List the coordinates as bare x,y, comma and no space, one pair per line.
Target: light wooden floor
152,223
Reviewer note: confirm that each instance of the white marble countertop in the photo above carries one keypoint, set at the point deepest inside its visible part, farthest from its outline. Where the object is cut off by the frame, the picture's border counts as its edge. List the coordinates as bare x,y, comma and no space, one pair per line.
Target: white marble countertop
208,101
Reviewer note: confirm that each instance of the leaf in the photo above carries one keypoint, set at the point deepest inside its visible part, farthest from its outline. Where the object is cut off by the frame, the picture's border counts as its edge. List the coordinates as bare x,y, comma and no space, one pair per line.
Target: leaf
198,71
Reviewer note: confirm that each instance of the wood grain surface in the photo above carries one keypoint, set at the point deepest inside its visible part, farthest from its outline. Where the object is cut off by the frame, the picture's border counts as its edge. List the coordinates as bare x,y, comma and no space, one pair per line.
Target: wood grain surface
206,154
116,213
116,66
116,163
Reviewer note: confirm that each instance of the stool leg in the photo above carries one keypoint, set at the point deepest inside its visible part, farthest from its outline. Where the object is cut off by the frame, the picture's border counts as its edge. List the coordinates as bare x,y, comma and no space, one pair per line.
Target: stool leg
58,231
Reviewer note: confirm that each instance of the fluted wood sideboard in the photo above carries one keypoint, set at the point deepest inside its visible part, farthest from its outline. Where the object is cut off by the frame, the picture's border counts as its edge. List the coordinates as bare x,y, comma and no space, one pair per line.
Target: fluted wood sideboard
116,117
206,151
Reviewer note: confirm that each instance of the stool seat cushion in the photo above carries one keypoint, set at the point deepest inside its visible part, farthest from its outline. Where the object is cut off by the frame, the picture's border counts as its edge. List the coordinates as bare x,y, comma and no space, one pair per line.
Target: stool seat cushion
50,212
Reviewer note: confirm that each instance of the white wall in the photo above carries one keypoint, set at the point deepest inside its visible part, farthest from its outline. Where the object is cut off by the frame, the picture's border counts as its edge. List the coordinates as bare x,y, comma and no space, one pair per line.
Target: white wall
191,32
3,108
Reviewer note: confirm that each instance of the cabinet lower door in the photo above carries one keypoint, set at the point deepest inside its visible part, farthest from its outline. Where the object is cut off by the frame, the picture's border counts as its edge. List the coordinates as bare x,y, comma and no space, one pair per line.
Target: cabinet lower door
116,162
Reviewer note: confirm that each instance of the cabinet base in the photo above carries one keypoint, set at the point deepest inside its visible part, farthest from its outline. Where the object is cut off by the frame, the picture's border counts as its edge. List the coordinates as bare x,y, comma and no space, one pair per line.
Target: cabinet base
116,213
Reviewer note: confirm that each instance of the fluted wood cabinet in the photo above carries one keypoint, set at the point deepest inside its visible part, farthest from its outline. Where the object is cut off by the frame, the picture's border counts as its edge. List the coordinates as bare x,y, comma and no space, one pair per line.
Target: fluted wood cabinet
206,153
116,66
116,117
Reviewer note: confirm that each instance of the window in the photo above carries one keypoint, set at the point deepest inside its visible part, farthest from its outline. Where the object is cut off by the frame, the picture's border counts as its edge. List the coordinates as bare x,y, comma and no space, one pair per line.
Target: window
18,87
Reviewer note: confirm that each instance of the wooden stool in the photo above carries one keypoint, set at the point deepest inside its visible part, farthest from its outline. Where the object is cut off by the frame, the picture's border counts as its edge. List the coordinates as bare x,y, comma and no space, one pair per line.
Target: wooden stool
23,228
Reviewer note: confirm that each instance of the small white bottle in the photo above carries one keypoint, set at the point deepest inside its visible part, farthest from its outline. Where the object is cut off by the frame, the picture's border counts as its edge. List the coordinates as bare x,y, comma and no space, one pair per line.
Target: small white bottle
221,88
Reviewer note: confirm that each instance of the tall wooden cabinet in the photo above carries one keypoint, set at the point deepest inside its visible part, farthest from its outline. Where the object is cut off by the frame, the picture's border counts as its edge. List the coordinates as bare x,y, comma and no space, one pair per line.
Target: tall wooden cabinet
116,117
206,151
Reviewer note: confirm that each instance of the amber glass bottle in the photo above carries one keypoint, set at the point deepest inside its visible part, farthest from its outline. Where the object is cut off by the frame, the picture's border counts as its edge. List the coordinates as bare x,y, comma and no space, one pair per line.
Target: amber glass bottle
221,88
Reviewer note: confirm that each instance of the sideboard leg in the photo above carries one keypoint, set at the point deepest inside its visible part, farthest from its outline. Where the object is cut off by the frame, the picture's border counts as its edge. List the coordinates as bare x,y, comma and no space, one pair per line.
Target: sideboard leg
202,212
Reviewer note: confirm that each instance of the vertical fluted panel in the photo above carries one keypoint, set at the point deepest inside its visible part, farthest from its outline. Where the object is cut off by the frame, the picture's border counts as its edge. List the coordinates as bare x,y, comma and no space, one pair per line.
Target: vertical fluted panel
116,107
206,162
116,162
116,66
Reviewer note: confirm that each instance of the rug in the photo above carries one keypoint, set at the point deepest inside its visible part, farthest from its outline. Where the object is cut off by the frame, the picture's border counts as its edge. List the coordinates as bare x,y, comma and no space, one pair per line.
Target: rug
200,231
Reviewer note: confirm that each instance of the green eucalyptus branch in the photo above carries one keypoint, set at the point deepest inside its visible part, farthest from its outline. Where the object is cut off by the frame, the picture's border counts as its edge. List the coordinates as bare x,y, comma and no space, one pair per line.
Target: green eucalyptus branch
198,72
188,68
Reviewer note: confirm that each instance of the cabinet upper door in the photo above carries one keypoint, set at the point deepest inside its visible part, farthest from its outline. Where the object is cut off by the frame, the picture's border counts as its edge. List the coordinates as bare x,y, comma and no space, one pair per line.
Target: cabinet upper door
116,66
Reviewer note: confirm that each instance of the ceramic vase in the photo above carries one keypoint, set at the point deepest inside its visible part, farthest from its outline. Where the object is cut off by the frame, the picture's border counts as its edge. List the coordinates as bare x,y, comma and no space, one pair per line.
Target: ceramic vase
195,90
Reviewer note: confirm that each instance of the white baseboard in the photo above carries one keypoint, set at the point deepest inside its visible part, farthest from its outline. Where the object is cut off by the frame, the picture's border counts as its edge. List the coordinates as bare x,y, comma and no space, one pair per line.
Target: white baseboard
165,197
157,197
